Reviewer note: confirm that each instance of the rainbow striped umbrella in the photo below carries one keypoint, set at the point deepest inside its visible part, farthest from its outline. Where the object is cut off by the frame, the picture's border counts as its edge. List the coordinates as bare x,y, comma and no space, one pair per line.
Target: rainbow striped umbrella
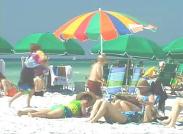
106,25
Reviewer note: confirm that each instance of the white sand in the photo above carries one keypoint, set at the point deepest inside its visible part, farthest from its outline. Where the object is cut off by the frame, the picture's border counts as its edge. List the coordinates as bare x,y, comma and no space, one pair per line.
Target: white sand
10,123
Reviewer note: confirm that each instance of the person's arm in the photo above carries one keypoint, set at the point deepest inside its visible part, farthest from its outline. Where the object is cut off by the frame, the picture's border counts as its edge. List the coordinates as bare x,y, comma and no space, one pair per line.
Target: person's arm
100,74
150,100
84,110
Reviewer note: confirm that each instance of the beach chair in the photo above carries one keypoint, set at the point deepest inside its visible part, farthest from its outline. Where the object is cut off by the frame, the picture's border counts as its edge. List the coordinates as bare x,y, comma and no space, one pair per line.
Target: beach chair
135,77
2,66
168,73
115,81
180,69
60,76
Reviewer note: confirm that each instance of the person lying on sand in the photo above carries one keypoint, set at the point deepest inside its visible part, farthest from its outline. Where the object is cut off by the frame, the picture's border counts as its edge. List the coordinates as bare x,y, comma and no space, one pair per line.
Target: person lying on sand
115,112
76,108
176,109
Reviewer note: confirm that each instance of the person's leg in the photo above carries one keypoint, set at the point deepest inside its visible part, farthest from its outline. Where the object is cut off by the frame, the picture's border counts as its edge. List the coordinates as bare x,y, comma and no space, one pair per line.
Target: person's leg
55,114
124,106
148,113
25,112
95,108
6,85
175,112
17,95
109,111
29,97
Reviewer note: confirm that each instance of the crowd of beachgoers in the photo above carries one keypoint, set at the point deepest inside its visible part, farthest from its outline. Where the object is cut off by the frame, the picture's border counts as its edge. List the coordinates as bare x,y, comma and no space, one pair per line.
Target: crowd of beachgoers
105,100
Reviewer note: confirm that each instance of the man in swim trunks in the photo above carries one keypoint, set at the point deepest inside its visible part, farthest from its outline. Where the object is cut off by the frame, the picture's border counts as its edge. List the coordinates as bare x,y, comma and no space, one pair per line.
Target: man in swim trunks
95,80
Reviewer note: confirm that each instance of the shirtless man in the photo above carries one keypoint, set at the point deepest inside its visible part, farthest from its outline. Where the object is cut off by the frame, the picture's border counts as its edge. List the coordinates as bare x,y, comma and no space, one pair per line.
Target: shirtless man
95,79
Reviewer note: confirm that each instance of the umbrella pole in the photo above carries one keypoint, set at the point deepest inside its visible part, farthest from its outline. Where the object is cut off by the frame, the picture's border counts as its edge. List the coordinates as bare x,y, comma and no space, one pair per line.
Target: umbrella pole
101,44
127,69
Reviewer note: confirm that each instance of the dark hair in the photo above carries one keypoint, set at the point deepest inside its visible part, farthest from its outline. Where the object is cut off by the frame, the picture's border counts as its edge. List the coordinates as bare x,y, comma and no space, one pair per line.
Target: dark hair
2,76
86,97
34,47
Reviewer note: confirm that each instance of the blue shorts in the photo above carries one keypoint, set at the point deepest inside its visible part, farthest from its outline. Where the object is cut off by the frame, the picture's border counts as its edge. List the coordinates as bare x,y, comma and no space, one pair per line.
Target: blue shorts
25,88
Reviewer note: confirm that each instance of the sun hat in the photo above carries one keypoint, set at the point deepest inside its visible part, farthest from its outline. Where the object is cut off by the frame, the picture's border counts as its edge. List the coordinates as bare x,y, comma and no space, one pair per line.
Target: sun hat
93,96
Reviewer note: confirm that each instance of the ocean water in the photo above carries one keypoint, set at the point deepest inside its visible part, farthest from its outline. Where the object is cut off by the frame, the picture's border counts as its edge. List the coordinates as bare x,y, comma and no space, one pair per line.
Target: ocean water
80,68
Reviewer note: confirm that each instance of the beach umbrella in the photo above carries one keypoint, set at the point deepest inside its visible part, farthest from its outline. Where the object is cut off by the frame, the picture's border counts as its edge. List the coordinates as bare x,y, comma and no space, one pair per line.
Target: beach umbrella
49,44
131,46
105,25
5,46
174,49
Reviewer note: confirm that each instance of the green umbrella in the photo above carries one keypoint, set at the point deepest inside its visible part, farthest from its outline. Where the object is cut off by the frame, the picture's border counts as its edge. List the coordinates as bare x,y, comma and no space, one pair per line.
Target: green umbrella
5,47
131,46
49,44
174,49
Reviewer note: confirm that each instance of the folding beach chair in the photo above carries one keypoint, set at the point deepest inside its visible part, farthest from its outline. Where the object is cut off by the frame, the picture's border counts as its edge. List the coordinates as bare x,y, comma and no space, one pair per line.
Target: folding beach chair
135,77
180,69
60,76
168,73
115,81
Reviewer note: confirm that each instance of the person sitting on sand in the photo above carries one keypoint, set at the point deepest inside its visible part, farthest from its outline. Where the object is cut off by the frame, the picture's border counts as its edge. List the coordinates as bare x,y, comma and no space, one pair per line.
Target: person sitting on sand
95,80
176,109
146,97
120,112
76,108
7,86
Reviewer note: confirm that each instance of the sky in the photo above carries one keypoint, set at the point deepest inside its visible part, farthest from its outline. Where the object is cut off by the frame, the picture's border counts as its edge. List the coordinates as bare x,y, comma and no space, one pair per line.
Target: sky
19,18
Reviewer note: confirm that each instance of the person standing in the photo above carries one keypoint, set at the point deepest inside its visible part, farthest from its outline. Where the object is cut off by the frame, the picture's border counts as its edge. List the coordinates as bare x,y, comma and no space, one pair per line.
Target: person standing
26,81
95,80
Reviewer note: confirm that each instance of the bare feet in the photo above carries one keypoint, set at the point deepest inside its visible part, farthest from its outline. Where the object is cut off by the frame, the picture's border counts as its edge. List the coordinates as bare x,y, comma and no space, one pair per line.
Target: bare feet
20,113
170,126
29,114
92,121
165,122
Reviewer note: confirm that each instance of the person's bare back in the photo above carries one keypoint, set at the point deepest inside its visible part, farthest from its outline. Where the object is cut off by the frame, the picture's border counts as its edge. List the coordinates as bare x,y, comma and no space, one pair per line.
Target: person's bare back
95,79
96,73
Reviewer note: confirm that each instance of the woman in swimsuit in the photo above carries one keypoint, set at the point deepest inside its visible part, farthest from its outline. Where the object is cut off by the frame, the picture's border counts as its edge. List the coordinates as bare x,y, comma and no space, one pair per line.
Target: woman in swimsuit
75,108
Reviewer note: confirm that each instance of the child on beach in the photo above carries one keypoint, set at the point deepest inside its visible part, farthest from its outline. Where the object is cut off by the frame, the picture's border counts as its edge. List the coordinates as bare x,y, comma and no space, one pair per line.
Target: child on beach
76,108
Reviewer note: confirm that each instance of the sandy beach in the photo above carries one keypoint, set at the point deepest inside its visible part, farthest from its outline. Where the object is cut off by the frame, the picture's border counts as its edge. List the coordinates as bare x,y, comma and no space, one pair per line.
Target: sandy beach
10,123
